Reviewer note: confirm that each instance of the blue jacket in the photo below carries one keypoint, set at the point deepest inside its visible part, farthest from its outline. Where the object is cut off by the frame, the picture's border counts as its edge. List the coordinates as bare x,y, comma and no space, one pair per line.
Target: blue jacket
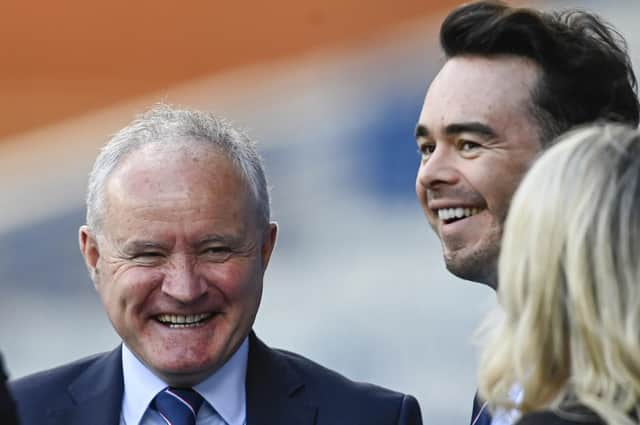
283,388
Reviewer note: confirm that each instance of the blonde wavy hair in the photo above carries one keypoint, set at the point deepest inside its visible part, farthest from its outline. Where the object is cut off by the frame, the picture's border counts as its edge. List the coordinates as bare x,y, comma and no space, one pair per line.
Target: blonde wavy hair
569,275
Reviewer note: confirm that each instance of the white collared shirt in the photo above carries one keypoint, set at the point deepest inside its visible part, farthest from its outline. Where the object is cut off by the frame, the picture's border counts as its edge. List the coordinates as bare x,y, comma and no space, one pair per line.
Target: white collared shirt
224,390
509,417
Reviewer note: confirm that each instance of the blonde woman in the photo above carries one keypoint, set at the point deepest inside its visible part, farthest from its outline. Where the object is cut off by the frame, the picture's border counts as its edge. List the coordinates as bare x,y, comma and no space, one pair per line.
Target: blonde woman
569,336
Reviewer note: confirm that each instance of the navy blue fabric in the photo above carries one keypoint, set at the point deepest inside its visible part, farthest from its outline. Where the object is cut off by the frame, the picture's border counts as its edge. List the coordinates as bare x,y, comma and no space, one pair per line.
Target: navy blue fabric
282,388
484,419
178,406
480,414
578,415
7,407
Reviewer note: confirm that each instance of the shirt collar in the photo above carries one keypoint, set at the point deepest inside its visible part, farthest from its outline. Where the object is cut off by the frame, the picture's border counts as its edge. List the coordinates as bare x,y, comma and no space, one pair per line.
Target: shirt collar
225,390
140,387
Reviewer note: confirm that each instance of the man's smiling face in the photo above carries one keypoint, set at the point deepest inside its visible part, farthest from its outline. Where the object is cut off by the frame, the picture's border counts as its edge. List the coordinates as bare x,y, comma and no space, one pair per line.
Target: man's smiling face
477,137
179,260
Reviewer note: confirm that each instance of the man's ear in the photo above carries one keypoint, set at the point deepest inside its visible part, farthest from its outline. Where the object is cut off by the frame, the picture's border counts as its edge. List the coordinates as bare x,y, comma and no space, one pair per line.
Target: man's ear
269,242
90,250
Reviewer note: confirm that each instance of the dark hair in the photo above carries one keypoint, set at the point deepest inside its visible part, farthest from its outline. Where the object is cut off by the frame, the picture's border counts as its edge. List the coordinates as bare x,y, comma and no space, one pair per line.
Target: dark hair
586,70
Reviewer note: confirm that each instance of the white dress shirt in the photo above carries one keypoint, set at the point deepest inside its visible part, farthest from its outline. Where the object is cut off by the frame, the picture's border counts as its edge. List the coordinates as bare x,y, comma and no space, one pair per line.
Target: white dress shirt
224,392
509,417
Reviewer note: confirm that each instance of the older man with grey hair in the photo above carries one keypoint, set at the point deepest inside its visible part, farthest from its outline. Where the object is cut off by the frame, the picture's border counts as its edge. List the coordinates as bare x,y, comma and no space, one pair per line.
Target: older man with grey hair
177,240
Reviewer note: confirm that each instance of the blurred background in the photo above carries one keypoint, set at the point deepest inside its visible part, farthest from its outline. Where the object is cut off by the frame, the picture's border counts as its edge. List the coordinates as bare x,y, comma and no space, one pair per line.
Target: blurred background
331,89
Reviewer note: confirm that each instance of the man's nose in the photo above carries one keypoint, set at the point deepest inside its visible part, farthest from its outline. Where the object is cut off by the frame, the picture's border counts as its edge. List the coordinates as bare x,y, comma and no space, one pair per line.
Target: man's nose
182,282
438,169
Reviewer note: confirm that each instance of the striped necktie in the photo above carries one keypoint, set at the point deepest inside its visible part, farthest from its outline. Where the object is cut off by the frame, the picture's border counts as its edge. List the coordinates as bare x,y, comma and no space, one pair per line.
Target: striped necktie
178,406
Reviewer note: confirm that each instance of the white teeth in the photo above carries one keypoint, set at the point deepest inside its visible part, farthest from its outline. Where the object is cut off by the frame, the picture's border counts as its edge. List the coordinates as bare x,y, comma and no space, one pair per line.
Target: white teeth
182,321
450,213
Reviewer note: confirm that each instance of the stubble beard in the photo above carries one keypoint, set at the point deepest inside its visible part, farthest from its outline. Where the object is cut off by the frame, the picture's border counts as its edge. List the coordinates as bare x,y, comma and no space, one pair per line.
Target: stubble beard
476,264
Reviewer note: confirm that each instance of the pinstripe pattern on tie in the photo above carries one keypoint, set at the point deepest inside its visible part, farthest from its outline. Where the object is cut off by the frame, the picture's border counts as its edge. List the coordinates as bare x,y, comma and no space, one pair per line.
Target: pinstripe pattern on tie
178,406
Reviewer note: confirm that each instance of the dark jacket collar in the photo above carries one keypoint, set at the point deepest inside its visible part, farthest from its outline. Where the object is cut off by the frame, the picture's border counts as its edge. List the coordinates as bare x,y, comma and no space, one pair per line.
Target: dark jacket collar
96,394
275,390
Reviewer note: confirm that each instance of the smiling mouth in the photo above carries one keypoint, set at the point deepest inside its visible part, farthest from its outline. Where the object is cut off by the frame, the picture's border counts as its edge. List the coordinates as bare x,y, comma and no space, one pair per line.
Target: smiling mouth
450,215
176,321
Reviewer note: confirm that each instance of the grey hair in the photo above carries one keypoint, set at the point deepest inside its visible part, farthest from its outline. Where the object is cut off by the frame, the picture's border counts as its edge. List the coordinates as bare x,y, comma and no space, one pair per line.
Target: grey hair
163,124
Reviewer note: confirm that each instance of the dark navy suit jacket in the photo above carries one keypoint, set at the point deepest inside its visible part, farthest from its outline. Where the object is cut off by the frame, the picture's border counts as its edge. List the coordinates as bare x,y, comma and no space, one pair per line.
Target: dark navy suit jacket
282,389
7,407
548,417
480,414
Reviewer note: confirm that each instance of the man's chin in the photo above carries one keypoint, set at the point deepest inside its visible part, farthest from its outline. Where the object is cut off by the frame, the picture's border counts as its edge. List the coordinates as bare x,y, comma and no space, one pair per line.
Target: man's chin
472,267
185,374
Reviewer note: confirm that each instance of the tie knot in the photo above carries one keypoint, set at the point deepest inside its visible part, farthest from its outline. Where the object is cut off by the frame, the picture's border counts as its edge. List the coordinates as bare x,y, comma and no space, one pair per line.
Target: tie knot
178,406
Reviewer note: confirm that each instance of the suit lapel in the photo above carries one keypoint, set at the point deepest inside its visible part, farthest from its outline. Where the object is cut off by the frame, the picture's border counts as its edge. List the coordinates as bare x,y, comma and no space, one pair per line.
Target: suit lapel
96,394
275,391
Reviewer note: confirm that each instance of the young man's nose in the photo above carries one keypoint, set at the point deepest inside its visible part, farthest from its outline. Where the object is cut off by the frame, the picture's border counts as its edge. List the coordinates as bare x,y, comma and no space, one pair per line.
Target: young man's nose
438,169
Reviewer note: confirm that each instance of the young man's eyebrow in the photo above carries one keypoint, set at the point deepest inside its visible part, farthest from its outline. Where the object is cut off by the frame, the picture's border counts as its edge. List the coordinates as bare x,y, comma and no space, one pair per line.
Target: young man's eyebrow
470,127
456,128
421,131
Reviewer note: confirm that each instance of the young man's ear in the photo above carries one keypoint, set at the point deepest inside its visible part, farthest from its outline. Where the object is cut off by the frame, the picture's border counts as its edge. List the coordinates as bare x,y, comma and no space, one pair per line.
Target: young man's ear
89,249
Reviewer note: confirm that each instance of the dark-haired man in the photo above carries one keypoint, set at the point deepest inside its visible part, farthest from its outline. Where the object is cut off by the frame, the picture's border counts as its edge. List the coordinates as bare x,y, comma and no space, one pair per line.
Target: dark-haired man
514,79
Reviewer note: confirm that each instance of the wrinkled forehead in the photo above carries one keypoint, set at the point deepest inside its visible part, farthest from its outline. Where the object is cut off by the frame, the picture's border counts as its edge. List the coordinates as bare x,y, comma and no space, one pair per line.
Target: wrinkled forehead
170,162
164,174
483,89
174,148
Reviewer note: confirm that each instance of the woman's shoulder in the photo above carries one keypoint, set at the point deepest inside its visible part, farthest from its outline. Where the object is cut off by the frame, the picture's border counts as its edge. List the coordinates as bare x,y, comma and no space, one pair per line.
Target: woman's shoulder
579,416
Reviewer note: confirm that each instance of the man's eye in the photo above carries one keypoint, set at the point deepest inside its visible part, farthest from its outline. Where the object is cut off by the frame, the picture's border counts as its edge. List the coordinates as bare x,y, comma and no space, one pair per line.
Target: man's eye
216,253
426,149
147,254
146,257
467,145
217,250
